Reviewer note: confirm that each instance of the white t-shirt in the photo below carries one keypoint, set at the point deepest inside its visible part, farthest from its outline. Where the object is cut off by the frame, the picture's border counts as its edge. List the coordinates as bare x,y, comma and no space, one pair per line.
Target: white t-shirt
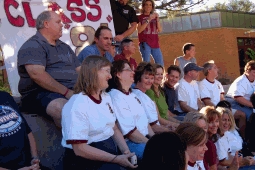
199,165
223,147
210,90
187,92
85,121
241,87
129,112
148,105
235,141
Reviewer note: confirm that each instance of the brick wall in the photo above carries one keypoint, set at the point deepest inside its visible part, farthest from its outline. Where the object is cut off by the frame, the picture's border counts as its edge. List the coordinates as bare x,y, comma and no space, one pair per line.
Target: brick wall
218,44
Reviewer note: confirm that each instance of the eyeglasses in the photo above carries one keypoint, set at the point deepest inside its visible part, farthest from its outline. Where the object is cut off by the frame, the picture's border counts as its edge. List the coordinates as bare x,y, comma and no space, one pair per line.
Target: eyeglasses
128,69
107,70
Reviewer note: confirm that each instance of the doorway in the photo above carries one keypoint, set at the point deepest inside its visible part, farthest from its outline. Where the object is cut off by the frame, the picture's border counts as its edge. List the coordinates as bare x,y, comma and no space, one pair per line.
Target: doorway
243,45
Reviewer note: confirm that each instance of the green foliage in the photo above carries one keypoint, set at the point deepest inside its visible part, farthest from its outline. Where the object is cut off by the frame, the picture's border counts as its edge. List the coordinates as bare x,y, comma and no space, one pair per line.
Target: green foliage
251,53
5,87
170,5
235,5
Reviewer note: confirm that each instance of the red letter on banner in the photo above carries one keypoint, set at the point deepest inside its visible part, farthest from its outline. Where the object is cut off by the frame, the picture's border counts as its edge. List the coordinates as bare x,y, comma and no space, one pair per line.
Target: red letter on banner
28,13
76,18
18,21
55,7
97,7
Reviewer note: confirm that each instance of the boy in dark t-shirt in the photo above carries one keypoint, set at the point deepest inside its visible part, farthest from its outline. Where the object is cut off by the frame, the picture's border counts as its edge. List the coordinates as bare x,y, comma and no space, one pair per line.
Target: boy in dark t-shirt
17,144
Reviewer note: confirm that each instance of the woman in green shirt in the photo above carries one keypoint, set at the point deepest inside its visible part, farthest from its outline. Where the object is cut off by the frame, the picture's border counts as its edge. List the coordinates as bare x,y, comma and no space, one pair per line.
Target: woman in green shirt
156,93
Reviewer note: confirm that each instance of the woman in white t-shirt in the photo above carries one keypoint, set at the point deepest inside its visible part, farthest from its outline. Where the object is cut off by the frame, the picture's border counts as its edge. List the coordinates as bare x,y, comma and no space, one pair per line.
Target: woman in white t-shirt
230,140
144,78
130,113
90,136
195,138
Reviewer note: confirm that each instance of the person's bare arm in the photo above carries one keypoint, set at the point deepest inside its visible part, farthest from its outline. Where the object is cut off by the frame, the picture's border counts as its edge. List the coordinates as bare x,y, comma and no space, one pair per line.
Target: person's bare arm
89,152
199,103
243,101
208,102
176,62
137,137
165,122
213,167
151,133
32,144
222,97
159,129
78,69
118,138
38,74
142,27
159,27
127,33
3,168
185,107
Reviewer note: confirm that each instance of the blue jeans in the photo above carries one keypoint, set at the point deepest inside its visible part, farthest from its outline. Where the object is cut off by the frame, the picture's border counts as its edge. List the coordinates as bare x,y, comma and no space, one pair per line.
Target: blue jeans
137,148
235,105
147,51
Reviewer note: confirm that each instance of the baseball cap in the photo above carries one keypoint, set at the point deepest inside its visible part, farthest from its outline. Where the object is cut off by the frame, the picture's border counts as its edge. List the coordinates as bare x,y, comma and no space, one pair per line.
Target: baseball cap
192,66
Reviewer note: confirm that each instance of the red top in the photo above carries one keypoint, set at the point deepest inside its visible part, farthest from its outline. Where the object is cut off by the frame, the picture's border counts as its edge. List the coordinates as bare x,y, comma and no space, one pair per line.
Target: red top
131,61
150,33
210,157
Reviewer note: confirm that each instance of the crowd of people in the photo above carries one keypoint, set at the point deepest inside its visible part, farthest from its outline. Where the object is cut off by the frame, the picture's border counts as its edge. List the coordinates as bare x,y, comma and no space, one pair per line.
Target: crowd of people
113,110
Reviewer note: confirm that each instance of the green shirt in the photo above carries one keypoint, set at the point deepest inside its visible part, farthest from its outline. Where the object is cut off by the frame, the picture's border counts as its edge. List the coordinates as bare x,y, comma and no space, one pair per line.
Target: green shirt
160,102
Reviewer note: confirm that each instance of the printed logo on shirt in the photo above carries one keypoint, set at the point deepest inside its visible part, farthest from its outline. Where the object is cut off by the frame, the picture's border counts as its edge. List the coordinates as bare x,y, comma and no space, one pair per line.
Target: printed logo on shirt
110,108
10,121
125,11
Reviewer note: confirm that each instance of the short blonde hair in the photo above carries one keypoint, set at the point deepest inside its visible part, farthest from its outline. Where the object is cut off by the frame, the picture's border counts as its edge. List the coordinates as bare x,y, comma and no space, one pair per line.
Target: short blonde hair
223,110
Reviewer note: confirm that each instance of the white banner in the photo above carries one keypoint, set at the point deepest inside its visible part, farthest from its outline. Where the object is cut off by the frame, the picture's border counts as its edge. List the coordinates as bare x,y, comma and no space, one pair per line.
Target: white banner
17,23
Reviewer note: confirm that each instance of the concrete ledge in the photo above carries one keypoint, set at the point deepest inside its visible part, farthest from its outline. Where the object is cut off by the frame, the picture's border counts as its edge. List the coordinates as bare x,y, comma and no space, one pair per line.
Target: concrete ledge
226,87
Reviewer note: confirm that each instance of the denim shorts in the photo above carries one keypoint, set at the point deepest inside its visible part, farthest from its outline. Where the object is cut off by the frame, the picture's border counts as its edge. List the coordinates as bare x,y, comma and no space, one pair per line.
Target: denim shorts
37,102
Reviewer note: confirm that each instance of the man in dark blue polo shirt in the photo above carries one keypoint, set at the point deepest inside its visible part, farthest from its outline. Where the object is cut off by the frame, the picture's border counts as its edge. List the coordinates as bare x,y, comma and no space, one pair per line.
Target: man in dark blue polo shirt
47,67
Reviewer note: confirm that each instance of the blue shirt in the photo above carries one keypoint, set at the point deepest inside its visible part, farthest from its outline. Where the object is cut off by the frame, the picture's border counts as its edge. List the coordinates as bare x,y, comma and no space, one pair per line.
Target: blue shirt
93,50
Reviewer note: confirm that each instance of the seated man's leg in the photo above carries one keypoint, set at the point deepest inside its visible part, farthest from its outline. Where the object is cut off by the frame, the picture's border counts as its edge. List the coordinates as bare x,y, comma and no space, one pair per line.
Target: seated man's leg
53,103
235,105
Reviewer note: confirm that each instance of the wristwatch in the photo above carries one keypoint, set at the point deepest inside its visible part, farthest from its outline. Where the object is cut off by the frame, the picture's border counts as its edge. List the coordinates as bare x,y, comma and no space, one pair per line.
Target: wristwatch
147,21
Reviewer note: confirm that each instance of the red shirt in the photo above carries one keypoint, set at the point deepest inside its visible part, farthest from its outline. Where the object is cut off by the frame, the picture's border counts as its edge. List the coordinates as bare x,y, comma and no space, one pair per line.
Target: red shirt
210,157
131,61
150,33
